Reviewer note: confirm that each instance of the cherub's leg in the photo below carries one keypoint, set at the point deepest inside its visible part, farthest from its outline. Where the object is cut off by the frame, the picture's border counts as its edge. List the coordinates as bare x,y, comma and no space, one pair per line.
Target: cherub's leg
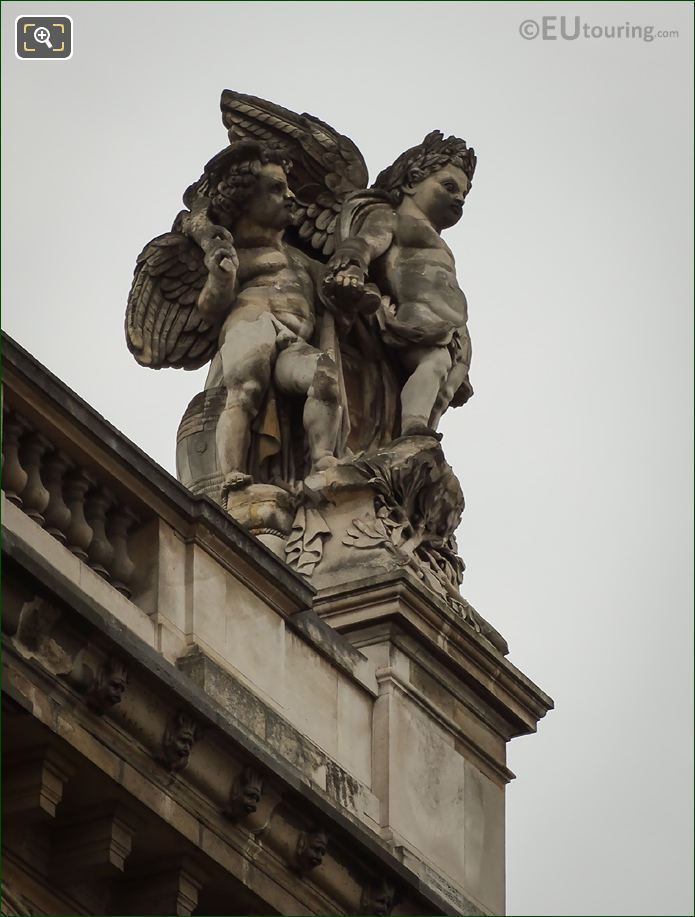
303,370
247,356
430,367
461,353
453,382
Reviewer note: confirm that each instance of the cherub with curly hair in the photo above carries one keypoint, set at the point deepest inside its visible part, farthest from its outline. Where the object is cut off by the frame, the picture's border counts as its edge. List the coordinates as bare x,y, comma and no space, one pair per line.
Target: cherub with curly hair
263,291
392,235
226,284
254,303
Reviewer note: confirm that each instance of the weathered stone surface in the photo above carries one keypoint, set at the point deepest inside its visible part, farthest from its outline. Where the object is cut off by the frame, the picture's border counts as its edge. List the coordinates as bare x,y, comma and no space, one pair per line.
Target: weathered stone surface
282,737
311,849
177,742
336,331
36,785
375,711
102,844
359,778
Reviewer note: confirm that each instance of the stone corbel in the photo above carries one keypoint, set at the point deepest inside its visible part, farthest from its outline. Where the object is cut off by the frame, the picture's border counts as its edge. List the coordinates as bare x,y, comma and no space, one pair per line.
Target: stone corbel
311,849
102,682
378,898
36,622
109,686
245,795
179,737
43,635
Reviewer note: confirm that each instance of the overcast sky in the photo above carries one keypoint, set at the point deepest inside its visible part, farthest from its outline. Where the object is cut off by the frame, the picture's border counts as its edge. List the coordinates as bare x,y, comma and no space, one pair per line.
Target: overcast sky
575,252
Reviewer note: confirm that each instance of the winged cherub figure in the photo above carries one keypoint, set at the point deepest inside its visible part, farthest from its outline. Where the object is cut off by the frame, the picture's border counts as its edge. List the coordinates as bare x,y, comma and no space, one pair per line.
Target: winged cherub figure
248,301
276,305
386,240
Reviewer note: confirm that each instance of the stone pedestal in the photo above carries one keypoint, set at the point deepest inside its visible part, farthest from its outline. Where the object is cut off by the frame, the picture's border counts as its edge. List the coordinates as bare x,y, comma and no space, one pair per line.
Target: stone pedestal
385,512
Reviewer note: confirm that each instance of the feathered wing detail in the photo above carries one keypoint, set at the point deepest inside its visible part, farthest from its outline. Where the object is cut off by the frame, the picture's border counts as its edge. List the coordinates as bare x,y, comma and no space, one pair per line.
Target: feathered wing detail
326,166
163,326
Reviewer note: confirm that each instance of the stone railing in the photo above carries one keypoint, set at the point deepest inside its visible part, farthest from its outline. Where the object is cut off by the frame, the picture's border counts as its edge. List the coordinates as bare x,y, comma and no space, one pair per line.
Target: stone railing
70,500
103,499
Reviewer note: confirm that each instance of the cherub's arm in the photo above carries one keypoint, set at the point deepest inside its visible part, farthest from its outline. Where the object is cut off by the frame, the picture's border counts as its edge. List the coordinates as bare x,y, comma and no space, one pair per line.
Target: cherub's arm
220,290
373,237
221,260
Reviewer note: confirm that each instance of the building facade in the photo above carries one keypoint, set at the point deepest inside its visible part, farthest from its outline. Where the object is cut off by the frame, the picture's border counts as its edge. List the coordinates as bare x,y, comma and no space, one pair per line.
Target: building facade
190,728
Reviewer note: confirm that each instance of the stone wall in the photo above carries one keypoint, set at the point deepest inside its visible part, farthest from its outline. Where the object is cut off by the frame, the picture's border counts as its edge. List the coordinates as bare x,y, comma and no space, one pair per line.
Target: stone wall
368,712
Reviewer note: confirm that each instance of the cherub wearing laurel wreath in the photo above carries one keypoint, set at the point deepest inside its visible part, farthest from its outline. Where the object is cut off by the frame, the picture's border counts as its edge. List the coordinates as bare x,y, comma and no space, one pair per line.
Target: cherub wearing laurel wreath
396,240
387,240
230,284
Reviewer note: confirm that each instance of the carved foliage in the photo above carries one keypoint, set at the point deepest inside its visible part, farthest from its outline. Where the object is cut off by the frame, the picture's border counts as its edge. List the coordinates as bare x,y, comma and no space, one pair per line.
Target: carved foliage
417,507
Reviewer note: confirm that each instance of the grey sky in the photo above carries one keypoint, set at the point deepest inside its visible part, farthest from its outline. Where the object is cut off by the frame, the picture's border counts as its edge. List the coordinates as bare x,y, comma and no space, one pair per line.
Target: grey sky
575,253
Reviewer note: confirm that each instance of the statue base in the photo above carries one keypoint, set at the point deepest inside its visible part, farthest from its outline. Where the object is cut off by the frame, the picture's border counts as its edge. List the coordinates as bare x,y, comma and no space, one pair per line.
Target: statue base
264,510
391,509
387,511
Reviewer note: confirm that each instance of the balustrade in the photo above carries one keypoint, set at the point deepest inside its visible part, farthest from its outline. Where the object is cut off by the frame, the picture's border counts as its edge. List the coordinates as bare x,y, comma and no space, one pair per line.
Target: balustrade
69,501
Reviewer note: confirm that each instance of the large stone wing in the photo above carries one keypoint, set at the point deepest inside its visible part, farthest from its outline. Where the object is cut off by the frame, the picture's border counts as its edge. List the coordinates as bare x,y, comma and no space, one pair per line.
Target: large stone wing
163,326
326,166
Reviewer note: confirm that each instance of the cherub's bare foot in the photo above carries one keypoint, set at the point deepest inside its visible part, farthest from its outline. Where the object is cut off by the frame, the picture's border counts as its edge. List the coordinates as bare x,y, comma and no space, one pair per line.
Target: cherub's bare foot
351,276
417,428
235,480
326,461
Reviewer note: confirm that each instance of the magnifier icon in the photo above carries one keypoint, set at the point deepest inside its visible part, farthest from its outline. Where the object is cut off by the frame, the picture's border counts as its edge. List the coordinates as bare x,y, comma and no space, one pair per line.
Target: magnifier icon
43,36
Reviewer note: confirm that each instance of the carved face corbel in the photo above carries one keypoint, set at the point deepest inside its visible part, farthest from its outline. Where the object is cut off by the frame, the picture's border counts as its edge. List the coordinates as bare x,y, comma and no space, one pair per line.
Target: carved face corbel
177,742
311,849
246,794
378,898
109,686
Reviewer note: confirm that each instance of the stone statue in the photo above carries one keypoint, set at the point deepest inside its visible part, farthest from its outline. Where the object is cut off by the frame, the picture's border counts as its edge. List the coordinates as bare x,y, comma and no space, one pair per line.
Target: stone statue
259,297
387,254
397,237
336,331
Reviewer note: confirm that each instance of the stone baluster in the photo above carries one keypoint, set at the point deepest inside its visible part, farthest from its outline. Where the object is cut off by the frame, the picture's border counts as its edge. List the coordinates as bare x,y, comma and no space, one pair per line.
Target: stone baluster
119,521
14,477
101,551
35,497
79,533
57,515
